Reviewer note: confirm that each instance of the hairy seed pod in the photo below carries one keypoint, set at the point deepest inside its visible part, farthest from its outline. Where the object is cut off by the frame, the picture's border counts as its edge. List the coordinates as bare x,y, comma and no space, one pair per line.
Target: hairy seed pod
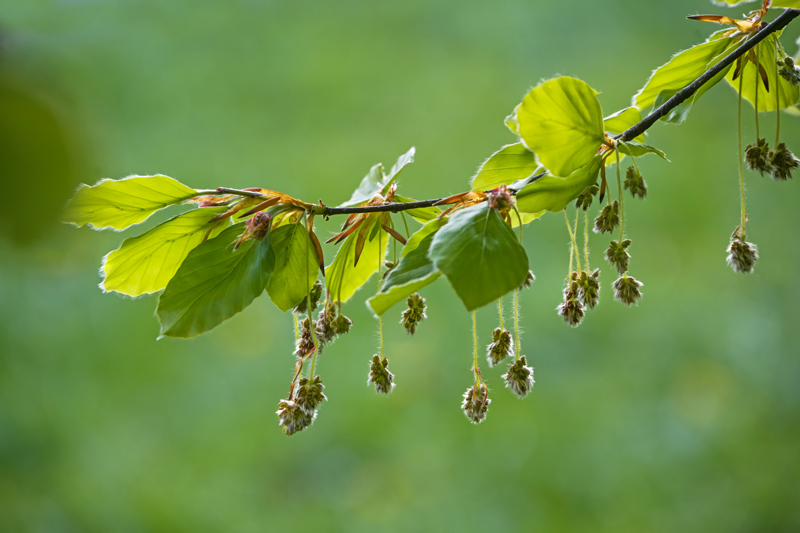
380,376
757,157
608,219
414,314
519,377
529,279
742,256
589,288
585,198
501,346
292,418
309,394
305,344
634,182
626,290
782,162
618,256
572,311
788,71
316,294
476,404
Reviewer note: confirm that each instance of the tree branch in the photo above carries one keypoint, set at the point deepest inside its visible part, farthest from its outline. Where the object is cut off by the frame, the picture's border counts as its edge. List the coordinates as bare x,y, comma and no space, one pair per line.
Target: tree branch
682,95
678,98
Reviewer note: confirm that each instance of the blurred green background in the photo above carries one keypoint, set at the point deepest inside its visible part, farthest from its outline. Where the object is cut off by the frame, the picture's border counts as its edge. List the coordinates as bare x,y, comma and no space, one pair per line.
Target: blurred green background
680,415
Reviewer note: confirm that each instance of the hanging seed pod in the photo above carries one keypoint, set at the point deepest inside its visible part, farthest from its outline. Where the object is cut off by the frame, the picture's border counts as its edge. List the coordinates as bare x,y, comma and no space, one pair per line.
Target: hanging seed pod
501,346
742,256
476,404
305,344
618,256
589,288
584,200
380,376
414,314
529,279
634,182
782,162
291,418
519,377
608,219
341,325
572,311
626,290
324,324
757,157
316,294
309,395
788,71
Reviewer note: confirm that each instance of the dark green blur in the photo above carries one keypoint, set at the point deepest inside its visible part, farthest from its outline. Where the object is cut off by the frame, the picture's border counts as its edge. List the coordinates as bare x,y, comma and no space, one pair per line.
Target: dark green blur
680,415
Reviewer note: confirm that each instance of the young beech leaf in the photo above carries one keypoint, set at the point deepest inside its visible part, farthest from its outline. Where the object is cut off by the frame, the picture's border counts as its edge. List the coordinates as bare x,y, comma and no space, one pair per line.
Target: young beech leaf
121,203
414,271
562,122
622,120
509,164
376,181
552,193
214,283
480,255
681,70
145,264
421,215
343,277
638,150
296,266
788,93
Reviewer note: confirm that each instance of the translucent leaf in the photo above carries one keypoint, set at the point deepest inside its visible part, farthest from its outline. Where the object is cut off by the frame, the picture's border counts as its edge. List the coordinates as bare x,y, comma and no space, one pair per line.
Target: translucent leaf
552,193
121,203
512,122
376,181
680,71
623,120
414,271
343,277
789,94
145,264
480,255
638,150
214,283
506,166
560,120
296,266
422,214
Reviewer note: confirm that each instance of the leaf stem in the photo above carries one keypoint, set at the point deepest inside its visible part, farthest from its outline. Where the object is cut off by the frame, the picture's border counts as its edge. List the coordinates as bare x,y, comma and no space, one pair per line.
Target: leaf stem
741,163
500,312
586,240
756,77
475,346
516,323
621,198
574,251
777,96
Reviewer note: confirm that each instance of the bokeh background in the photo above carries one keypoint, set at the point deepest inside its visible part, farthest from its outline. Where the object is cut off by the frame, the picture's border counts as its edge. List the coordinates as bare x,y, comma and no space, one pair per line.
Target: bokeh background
680,415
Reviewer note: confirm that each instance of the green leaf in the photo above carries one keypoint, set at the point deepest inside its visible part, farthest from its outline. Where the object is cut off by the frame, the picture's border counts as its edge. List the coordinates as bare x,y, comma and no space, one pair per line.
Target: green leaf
552,193
414,271
512,122
296,265
480,255
376,181
681,70
789,94
638,150
508,165
788,4
560,120
214,283
422,214
121,203
145,264
343,277
623,120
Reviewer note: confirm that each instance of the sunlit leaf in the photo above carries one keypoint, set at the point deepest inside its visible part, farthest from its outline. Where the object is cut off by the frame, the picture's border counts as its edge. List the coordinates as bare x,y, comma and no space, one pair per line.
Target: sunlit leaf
680,71
553,193
638,150
377,181
145,264
480,255
414,271
214,283
508,165
562,122
121,203
296,265
343,277
512,122
623,120
422,214
789,94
